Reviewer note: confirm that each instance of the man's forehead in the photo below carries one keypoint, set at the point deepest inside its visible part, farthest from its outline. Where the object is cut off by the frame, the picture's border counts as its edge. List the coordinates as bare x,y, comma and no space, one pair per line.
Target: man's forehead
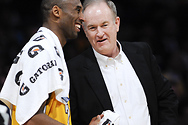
96,12
95,8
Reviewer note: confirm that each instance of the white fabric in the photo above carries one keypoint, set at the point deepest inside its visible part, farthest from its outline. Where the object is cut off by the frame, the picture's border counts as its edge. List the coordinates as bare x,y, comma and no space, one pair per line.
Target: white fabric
43,70
4,114
110,118
125,90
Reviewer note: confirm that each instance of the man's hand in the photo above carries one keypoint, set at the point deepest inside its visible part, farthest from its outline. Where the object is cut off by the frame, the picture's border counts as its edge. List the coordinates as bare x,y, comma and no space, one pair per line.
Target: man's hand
96,120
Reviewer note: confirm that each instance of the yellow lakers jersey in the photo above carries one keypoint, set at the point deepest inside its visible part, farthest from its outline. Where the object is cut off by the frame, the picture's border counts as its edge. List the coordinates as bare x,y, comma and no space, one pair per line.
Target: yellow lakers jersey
54,109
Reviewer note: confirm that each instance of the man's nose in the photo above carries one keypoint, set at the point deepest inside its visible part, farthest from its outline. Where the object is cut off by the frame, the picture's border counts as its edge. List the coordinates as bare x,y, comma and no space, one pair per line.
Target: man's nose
100,32
81,17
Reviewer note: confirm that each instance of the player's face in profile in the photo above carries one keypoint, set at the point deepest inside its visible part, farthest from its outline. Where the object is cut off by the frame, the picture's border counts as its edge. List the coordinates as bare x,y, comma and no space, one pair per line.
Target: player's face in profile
71,18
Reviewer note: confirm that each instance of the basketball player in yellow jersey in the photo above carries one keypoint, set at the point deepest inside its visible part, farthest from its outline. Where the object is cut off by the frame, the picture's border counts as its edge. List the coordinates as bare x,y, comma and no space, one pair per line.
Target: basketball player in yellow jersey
37,86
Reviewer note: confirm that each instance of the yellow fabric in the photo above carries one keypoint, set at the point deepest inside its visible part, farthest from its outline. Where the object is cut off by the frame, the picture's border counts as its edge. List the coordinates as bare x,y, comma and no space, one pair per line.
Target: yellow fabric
54,109
14,122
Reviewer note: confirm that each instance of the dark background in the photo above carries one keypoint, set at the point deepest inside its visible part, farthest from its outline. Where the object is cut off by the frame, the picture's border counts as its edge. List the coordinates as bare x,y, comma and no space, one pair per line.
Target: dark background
163,24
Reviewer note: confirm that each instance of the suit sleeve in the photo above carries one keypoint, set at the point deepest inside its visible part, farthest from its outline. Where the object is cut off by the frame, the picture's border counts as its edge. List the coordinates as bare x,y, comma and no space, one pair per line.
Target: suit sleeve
73,98
166,98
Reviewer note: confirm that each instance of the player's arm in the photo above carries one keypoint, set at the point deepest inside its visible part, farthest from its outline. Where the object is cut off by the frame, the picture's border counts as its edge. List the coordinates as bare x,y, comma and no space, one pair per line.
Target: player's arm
40,118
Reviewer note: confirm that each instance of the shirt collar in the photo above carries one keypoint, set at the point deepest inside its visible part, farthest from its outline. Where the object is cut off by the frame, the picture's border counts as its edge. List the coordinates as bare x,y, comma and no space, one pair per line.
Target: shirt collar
104,60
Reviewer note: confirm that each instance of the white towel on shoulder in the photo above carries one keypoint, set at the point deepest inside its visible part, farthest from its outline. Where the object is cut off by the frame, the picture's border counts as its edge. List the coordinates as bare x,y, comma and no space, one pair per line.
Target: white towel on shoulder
38,70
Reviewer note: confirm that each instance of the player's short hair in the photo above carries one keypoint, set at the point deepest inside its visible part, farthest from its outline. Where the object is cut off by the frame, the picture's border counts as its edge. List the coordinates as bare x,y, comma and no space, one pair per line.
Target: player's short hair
47,5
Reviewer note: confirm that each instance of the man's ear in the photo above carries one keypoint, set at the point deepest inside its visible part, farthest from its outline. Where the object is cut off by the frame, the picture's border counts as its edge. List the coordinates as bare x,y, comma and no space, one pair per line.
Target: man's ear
117,22
84,27
56,11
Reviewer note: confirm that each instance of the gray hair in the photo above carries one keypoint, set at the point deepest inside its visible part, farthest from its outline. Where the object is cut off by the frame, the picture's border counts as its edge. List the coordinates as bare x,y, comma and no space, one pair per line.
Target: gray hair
110,4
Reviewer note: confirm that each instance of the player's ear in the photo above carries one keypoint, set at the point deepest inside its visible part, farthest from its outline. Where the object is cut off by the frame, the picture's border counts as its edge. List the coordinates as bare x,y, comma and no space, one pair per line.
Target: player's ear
56,11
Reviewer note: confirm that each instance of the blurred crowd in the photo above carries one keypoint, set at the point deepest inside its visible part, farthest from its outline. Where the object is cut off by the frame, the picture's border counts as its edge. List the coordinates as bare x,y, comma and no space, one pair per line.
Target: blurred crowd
163,24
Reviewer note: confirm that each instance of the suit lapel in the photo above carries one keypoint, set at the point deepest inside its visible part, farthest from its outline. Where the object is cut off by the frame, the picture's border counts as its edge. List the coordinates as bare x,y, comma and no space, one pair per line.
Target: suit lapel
96,81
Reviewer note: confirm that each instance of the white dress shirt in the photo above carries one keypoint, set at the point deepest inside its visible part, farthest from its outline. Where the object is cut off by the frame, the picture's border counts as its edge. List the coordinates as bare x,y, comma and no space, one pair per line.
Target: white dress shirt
125,90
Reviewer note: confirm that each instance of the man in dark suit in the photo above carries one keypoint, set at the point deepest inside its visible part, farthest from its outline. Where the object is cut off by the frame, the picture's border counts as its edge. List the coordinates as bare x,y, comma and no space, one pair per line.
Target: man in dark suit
119,76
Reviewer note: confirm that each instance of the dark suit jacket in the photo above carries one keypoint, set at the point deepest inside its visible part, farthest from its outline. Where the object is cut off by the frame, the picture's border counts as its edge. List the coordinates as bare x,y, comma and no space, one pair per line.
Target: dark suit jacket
89,95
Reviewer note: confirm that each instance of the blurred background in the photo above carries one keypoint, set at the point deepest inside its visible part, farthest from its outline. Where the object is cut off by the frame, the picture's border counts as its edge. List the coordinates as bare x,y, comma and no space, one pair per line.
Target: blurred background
163,24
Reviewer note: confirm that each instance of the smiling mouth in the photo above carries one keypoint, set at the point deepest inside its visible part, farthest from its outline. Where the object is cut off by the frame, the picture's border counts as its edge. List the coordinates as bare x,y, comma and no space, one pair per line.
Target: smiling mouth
101,40
78,26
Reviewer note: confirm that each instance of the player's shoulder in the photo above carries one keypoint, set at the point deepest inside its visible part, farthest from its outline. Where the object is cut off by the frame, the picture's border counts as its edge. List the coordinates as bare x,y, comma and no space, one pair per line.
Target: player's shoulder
38,41
38,37
37,44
